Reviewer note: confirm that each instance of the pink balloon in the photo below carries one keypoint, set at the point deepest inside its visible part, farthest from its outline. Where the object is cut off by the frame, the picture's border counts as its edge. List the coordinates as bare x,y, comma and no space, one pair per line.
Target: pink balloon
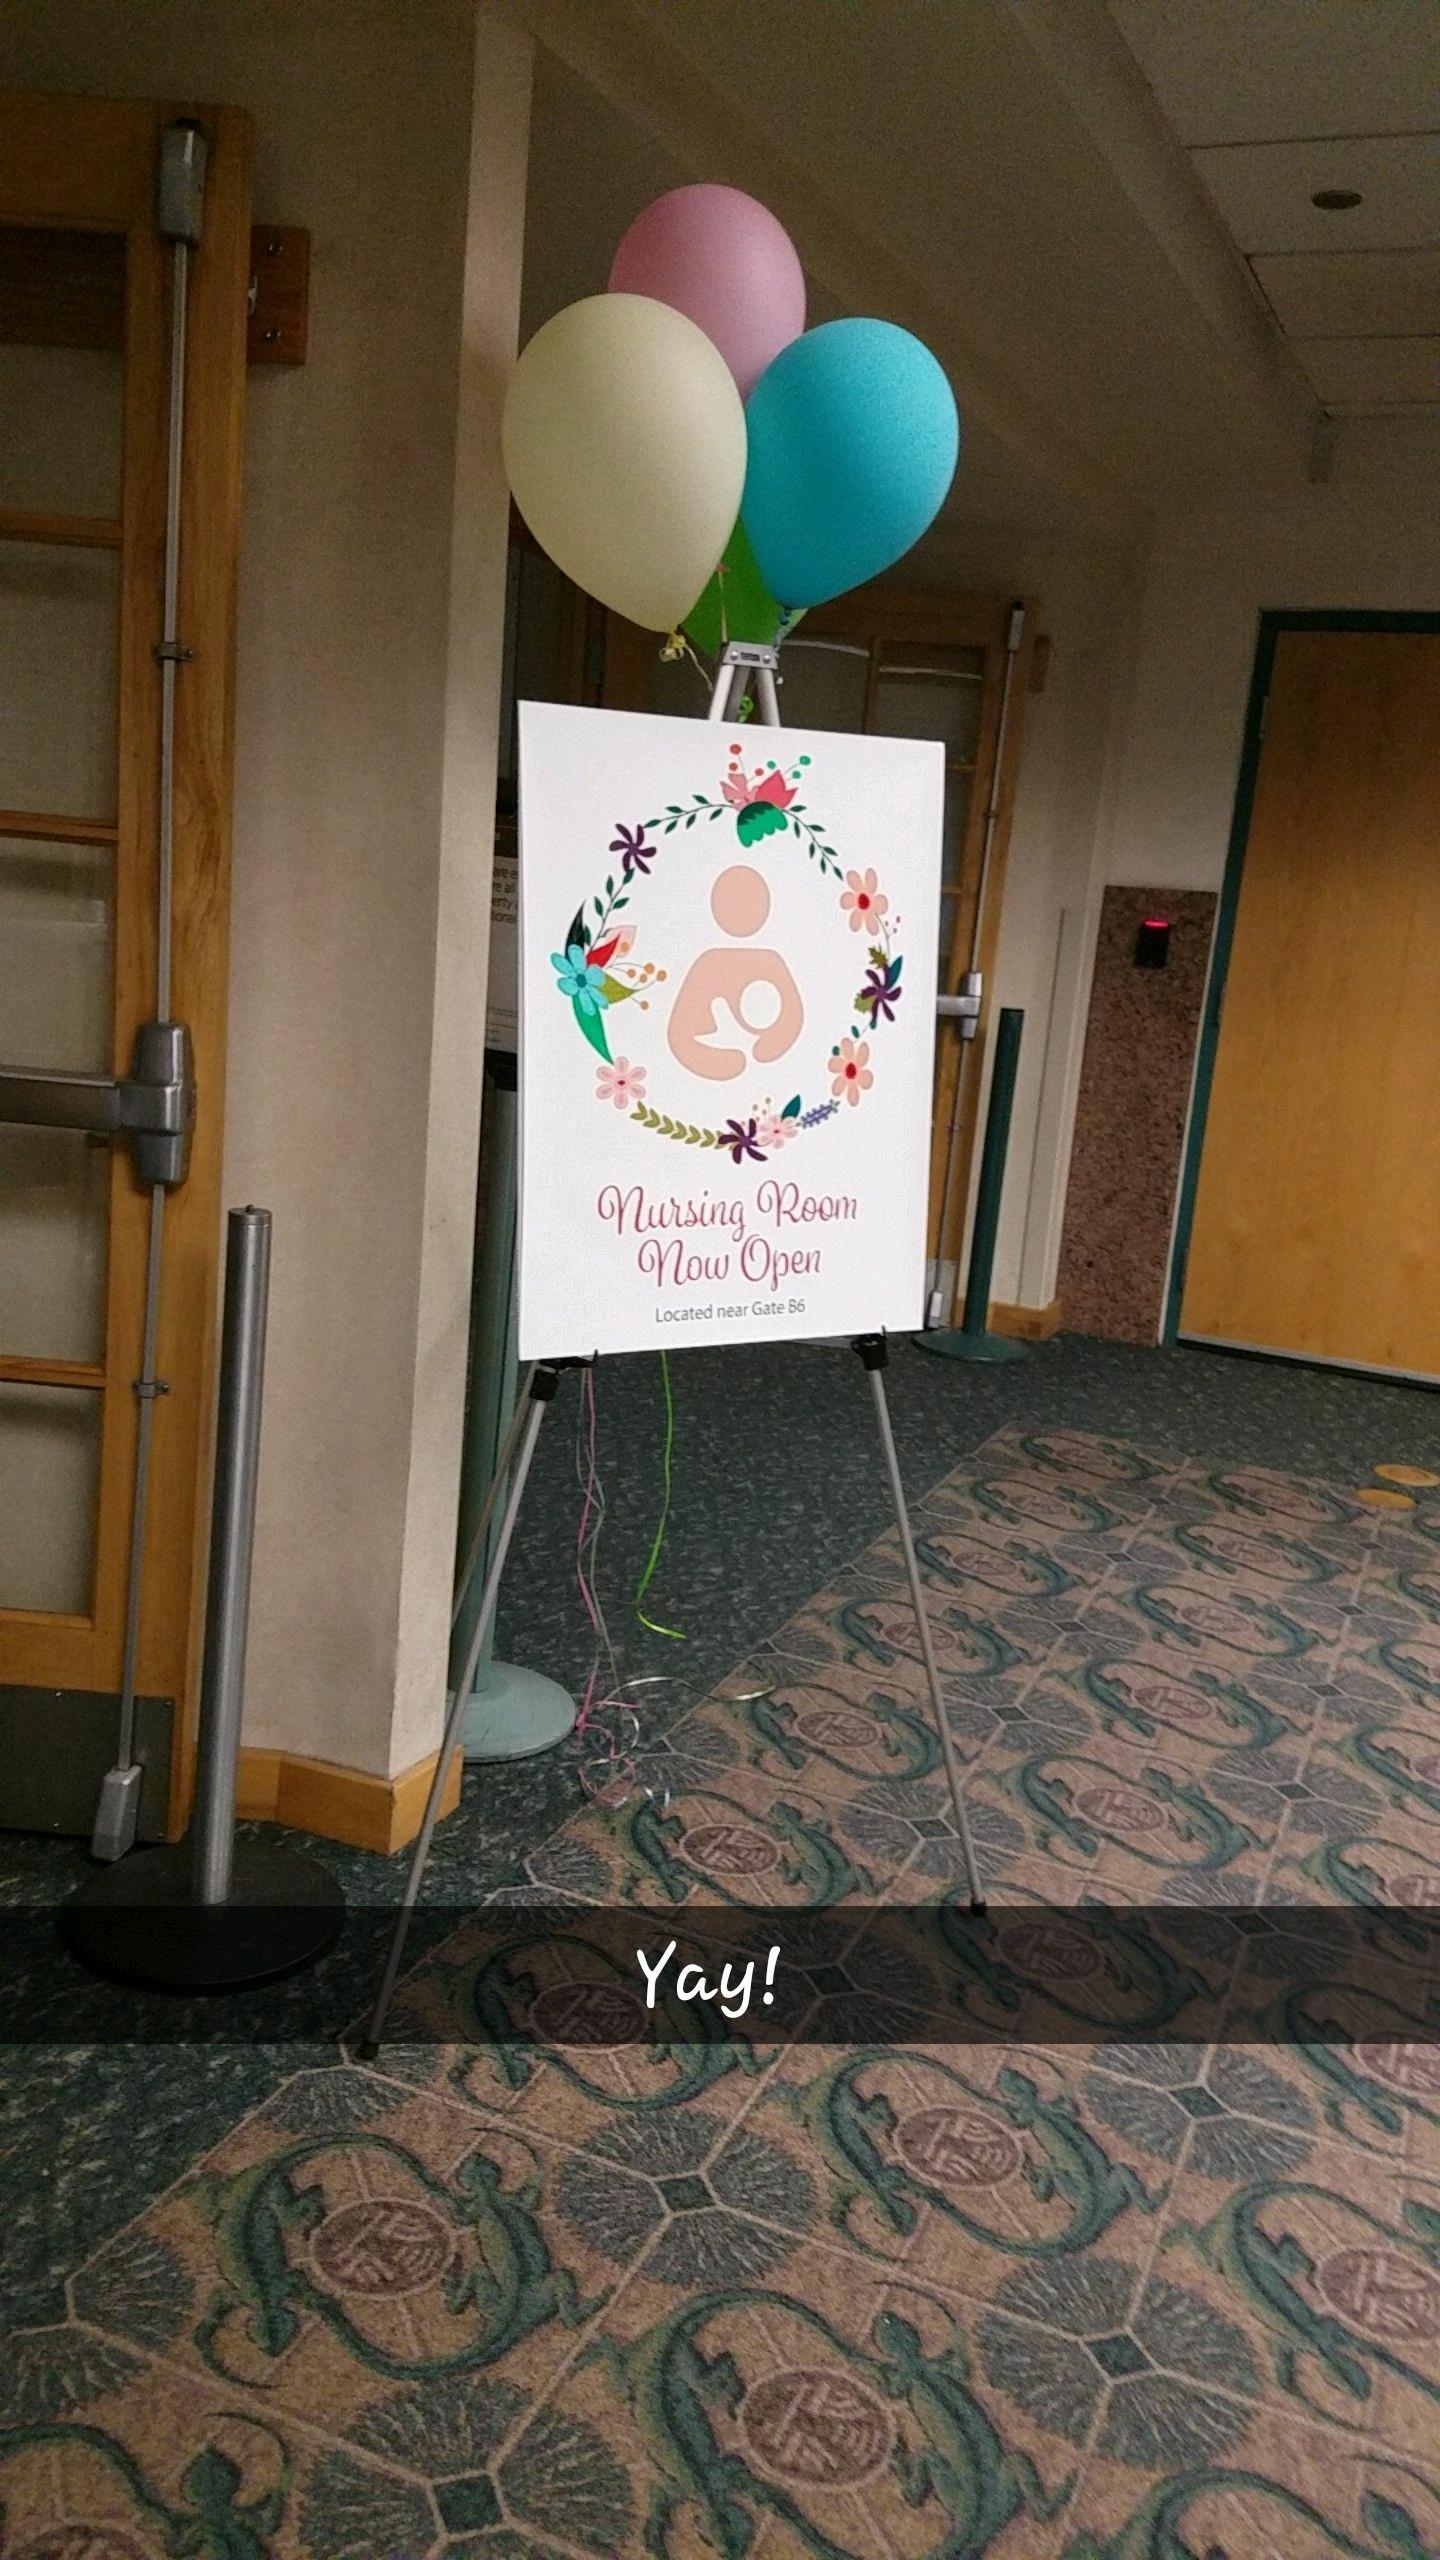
719,257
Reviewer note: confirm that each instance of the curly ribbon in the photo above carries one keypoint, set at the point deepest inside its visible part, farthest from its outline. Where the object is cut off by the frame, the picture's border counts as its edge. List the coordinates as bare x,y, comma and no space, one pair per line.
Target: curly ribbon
653,1558
607,1737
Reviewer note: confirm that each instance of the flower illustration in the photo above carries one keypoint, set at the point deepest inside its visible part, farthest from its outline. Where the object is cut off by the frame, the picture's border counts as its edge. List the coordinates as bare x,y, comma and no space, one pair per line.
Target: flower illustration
635,854
880,993
621,1084
772,790
739,1136
772,1132
760,803
578,978
850,1073
862,901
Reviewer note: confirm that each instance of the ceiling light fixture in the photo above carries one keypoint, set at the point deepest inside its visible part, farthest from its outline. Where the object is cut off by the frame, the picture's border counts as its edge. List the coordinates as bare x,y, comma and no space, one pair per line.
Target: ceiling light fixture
1336,199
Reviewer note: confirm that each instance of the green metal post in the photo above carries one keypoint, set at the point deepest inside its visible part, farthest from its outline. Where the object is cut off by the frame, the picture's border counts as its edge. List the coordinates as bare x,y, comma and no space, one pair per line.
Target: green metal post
974,1341
512,1712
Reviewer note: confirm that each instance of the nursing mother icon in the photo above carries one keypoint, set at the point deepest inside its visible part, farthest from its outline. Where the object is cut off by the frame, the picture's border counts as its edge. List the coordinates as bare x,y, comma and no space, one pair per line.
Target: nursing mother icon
756,987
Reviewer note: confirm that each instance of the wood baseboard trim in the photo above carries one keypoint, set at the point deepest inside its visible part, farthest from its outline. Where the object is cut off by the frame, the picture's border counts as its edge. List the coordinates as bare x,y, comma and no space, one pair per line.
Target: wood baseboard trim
1027,1324
339,1804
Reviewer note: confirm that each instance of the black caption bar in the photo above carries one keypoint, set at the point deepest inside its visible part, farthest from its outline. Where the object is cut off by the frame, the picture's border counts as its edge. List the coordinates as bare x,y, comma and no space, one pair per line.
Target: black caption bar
599,1979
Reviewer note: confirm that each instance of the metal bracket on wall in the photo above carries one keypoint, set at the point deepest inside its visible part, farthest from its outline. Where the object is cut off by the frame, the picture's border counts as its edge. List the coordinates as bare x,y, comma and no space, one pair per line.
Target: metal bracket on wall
278,306
153,1107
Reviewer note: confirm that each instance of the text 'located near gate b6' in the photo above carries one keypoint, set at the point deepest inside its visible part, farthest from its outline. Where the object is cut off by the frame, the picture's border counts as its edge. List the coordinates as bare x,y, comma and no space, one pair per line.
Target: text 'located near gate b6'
728,967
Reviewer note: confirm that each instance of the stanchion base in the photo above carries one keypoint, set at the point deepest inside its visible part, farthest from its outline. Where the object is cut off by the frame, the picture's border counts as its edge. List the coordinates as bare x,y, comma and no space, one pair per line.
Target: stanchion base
971,1346
513,1713
139,1922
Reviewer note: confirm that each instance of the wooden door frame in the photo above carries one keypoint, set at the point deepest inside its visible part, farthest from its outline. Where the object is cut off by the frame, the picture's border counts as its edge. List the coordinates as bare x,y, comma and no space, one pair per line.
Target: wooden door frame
1270,630
75,163
932,617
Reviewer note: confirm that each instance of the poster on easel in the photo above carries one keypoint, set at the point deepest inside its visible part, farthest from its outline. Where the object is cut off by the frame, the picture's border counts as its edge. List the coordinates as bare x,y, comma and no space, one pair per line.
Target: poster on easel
728,952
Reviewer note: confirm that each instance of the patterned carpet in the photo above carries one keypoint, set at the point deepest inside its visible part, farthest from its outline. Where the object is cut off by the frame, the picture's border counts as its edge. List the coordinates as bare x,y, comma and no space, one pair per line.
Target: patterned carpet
1082,2301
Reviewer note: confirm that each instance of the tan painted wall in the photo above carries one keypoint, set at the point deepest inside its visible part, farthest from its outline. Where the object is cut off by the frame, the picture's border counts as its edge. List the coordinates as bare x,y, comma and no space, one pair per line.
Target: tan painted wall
368,681
1367,540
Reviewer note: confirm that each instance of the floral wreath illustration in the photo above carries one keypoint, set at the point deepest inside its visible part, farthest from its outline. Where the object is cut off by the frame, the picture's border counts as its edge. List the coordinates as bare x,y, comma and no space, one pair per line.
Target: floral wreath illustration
596,972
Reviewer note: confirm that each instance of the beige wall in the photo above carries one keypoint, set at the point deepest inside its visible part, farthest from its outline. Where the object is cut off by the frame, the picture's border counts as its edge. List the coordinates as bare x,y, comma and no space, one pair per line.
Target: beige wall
368,678
1131,754
1086,592
1365,540
1176,652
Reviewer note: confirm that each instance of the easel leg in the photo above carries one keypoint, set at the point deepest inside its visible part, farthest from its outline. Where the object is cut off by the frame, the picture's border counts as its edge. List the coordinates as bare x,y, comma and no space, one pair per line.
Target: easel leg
544,1379
874,1354
502,1469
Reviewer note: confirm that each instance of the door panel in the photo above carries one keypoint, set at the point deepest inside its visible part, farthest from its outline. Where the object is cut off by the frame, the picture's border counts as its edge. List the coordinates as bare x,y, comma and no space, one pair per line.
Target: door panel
1316,1226
51,1440
85,282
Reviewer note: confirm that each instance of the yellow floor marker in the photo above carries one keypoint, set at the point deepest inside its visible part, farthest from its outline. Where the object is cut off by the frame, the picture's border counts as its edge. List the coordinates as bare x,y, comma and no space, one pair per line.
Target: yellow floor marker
1383,1497
1407,1475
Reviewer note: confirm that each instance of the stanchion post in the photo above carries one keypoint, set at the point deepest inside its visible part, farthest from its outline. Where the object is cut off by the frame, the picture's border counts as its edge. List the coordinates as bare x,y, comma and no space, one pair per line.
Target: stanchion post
974,1340
232,1539
207,1915
992,1168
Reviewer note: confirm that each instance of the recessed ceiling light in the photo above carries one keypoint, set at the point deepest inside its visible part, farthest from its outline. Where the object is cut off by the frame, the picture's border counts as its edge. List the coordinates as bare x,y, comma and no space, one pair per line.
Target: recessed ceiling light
1336,199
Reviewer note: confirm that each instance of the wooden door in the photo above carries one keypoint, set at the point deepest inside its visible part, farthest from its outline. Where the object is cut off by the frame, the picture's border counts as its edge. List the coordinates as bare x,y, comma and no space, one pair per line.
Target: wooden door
85,282
903,663
1316,1228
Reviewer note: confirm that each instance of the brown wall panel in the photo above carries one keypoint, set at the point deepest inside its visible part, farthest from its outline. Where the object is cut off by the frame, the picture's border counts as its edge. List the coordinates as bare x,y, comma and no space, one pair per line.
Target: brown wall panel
1134,1086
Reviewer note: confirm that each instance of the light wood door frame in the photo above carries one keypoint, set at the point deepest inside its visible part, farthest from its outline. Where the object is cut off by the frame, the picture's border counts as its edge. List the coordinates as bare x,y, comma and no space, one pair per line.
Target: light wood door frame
80,164
1272,627
881,617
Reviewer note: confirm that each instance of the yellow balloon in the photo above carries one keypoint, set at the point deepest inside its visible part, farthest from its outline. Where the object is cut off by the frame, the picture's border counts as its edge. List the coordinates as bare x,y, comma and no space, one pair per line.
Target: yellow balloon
624,444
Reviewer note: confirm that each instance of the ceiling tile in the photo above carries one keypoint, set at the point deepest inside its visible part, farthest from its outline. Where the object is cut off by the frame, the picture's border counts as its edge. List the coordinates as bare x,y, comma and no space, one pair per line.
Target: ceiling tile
1372,373
1391,293
1262,190
1265,70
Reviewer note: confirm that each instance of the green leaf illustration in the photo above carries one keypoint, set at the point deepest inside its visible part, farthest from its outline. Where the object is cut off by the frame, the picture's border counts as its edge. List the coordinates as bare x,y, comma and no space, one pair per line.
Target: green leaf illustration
593,1026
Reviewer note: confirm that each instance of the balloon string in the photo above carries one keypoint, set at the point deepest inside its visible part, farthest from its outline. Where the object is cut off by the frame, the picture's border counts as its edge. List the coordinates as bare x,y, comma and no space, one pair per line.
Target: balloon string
607,1730
653,1558
587,1540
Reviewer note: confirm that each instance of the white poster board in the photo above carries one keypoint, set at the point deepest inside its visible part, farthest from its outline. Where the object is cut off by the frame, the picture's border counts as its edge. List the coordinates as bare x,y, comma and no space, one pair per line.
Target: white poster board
728,945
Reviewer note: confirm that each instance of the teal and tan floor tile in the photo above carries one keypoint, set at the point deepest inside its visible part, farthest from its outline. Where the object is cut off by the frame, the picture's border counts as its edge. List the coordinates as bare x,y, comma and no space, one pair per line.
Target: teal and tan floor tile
1100,2297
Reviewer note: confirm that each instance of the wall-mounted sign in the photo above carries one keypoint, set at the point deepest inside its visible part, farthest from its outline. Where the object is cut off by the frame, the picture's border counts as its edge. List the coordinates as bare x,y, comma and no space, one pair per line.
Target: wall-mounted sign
728,962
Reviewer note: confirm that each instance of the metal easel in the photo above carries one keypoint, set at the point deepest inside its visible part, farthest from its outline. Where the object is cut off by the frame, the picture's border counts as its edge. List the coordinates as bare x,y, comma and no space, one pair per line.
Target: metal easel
743,663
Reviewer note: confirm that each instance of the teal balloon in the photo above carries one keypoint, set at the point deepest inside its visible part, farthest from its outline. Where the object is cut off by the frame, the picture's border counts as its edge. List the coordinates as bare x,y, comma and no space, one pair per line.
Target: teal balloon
854,436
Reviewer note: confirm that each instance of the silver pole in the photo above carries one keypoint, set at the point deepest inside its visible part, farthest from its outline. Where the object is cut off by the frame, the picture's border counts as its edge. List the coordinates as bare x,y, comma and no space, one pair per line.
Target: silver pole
232,1542
927,1645
502,1469
180,198
721,691
170,632
146,1389
542,1387
967,1005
